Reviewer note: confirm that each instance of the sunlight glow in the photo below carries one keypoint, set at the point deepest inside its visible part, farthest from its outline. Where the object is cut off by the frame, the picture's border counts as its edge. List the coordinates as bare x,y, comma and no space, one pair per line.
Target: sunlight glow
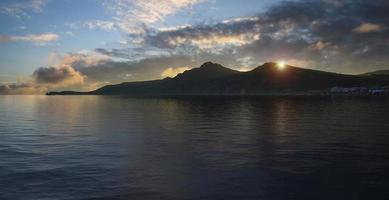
281,65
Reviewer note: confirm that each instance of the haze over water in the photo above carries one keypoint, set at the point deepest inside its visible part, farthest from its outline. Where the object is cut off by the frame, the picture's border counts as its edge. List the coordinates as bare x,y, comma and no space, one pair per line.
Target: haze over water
112,147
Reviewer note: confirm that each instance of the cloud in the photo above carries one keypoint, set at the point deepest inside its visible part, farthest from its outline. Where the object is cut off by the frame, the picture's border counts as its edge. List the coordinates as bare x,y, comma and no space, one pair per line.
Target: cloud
233,32
21,88
212,40
172,72
145,69
368,27
82,58
100,24
133,15
81,73
40,39
44,79
325,34
319,45
65,71
59,76
21,8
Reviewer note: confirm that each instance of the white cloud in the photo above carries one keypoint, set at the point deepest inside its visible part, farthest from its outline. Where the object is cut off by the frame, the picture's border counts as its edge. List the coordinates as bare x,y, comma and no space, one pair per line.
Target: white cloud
73,26
21,8
46,37
368,27
105,25
69,33
233,32
133,15
40,39
239,19
84,58
174,28
215,40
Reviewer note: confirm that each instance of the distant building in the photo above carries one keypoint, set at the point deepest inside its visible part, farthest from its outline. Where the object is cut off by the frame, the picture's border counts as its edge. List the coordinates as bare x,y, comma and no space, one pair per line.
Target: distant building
379,90
356,91
350,91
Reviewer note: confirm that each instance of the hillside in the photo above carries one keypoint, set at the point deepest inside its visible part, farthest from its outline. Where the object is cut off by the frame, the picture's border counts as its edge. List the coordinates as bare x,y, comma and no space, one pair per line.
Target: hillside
214,79
379,72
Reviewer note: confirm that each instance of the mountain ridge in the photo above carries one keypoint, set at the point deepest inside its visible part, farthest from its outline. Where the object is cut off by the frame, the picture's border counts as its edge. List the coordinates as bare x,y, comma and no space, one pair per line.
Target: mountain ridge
378,72
214,79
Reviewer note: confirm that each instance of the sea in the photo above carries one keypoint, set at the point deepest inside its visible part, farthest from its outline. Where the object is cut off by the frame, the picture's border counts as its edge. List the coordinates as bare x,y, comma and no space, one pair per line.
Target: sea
194,148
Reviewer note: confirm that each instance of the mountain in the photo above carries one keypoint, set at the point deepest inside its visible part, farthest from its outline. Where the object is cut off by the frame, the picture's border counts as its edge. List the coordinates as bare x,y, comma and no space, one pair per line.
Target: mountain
379,72
214,79
196,81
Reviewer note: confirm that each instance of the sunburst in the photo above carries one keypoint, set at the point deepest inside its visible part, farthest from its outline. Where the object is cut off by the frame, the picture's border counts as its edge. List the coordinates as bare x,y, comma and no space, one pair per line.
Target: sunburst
281,65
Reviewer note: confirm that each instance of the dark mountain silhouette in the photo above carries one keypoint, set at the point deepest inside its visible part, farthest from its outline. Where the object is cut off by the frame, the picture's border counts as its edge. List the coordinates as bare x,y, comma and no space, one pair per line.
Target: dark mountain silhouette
379,72
214,79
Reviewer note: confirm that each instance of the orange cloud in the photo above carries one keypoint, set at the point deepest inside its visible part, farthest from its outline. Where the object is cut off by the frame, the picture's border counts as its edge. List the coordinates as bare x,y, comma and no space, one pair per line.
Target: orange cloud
172,72
39,39
368,27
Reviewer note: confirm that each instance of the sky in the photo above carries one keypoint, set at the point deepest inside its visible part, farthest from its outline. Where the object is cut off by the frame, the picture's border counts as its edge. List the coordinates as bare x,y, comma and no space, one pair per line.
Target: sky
48,45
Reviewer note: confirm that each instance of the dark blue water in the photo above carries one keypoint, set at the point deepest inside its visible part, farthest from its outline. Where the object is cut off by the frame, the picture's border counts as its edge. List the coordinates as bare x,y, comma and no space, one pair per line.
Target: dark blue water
89,147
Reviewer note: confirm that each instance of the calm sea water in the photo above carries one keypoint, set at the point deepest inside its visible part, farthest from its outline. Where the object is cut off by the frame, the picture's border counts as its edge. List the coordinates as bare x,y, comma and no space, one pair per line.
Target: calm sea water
91,147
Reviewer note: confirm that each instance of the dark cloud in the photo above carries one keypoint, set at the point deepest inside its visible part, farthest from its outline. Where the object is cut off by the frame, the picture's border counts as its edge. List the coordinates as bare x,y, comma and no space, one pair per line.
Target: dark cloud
134,54
145,69
58,75
44,79
5,89
21,88
348,36
235,32
73,73
355,34
118,53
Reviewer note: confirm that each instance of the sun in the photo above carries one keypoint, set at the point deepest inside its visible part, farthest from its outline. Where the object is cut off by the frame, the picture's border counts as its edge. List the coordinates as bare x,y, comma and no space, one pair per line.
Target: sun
281,65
